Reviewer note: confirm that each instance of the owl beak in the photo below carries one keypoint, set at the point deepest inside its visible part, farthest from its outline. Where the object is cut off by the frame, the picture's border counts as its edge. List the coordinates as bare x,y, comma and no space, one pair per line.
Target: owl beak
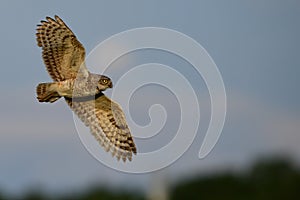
110,85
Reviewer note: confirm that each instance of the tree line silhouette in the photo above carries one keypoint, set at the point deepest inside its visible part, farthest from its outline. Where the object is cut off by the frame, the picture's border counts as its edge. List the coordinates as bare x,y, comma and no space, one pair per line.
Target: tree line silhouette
267,179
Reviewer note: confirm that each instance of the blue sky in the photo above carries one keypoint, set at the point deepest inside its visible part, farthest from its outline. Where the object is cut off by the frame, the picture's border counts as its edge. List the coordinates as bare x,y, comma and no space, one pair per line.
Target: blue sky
255,45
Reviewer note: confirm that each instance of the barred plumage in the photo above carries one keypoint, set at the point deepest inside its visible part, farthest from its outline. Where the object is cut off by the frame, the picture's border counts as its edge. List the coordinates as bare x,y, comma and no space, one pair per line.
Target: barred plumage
64,57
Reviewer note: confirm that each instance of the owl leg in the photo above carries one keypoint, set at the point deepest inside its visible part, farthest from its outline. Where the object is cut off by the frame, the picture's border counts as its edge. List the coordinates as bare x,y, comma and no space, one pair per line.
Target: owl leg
46,92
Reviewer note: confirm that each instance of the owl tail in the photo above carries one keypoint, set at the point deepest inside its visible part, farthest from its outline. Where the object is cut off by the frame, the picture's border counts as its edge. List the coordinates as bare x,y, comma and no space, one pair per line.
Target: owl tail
46,93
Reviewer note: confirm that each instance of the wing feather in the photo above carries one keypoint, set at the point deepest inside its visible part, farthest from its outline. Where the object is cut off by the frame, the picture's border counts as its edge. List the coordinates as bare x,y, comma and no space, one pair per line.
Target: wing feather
107,123
63,54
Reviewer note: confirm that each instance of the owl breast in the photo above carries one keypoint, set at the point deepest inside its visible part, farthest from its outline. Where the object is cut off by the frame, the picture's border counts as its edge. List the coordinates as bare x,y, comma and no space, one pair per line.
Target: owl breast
74,88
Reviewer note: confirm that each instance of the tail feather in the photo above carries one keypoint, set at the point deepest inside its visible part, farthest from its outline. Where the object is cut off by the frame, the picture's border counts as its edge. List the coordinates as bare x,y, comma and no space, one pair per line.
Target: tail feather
45,93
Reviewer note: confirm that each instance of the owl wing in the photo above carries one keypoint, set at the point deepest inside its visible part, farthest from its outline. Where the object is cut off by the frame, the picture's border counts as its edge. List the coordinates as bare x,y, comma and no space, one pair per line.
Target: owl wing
107,123
63,54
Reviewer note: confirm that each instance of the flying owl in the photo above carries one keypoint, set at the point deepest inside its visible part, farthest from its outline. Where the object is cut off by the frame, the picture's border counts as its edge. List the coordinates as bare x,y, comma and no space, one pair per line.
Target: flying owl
64,58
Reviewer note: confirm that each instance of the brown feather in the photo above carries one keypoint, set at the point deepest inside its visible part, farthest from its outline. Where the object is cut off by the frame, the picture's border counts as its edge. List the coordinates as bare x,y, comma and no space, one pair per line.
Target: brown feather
63,54
107,123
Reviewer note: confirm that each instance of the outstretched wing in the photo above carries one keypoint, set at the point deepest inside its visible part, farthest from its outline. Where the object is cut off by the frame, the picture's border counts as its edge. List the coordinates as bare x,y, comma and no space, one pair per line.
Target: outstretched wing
107,123
63,54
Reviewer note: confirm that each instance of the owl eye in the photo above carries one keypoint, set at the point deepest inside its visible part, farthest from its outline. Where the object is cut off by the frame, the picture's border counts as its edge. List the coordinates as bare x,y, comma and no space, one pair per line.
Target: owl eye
104,81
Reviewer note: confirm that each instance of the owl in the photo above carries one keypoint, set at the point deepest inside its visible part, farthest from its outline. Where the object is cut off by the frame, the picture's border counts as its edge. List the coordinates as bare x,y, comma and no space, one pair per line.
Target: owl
64,58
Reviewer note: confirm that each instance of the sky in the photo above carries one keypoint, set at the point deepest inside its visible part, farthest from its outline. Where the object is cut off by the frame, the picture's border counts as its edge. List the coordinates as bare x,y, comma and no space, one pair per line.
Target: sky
255,45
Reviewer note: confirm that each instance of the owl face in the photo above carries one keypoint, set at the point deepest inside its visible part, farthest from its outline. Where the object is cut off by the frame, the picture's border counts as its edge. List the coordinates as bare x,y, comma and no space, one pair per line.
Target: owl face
104,83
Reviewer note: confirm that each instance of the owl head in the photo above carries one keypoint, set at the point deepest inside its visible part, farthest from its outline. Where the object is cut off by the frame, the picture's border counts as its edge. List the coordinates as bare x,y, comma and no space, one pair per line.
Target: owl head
104,83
